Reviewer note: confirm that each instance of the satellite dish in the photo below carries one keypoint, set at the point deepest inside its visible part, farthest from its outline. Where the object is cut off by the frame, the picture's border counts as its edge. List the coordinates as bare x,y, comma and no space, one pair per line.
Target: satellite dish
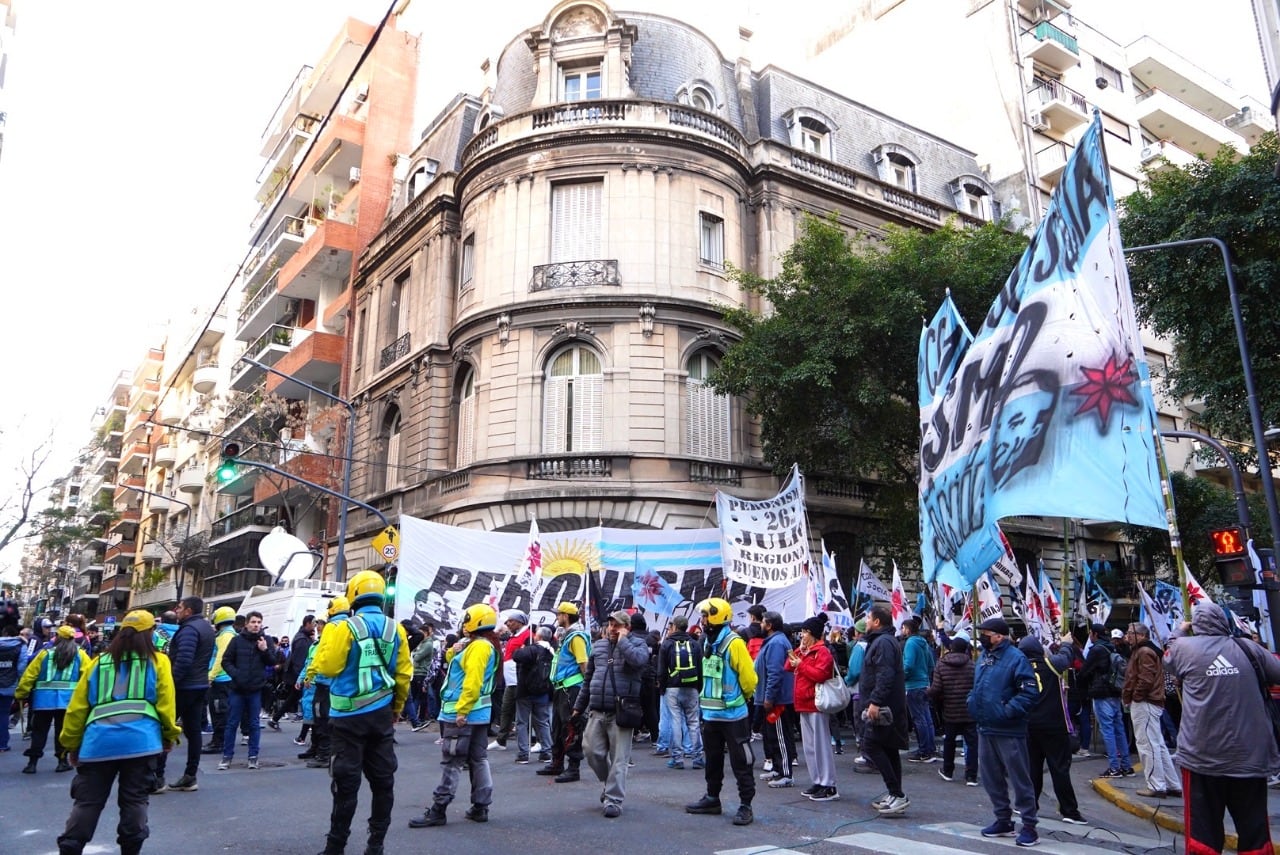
285,556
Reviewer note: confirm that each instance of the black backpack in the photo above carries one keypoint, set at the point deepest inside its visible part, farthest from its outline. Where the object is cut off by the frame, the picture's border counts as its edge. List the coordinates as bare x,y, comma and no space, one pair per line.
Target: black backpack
9,657
682,671
539,681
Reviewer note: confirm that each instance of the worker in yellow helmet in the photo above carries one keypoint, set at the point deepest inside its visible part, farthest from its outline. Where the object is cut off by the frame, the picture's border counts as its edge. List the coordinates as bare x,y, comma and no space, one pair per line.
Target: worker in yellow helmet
120,717
728,682
48,681
224,619
367,660
567,673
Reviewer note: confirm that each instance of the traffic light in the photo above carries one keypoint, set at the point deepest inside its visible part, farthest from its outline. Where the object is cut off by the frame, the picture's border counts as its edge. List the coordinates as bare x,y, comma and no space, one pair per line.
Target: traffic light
227,469
389,601
1229,555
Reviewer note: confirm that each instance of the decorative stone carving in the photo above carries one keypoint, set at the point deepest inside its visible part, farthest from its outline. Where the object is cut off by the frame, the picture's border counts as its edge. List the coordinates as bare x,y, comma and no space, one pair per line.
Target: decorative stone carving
712,336
647,313
578,22
504,327
572,329
462,354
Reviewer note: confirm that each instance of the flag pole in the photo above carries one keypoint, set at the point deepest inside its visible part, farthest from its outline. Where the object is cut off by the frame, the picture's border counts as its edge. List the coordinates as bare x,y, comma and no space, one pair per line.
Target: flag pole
1175,538
1066,572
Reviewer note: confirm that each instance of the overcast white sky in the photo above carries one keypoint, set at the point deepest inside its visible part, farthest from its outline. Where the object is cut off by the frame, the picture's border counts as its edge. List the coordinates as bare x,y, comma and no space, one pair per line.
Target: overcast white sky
132,147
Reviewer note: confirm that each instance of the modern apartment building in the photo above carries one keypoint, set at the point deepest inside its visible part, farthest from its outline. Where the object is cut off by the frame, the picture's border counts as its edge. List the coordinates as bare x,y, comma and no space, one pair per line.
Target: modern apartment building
534,325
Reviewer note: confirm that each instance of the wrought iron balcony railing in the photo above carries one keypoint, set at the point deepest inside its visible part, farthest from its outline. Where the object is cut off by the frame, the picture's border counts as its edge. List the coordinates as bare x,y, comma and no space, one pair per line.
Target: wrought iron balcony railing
575,274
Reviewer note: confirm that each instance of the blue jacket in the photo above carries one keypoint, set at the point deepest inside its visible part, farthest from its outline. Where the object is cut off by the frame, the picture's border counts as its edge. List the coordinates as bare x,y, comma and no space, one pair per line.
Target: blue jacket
917,663
773,681
1004,691
189,651
857,653
12,653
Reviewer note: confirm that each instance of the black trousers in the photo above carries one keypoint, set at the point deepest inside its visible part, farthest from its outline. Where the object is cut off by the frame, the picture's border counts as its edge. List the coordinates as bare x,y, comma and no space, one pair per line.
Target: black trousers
216,697
189,706
91,788
780,741
40,722
362,744
1054,748
969,730
885,759
321,741
733,737
1205,797
565,742
649,707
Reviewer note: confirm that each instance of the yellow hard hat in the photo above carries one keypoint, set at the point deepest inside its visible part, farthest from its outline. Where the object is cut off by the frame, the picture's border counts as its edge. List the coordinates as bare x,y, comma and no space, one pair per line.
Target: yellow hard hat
65,631
715,611
339,605
567,608
367,584
479,617
223,614
139,620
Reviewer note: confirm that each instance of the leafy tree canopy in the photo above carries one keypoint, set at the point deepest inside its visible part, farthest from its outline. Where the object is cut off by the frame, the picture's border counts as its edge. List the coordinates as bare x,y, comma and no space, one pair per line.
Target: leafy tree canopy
1182,293
830,370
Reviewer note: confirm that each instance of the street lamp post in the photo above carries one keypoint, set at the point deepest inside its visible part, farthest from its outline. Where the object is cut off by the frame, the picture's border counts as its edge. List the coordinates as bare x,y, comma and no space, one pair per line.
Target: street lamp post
340,565
182,570
1255,414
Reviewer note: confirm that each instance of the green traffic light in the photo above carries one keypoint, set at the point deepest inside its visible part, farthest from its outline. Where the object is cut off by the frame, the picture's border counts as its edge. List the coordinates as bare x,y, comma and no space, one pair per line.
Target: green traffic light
227,472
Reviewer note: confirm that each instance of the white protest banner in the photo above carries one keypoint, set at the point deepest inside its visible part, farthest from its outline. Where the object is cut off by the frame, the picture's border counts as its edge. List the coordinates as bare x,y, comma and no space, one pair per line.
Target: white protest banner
835,603
988,598
765,543
898,600
869,583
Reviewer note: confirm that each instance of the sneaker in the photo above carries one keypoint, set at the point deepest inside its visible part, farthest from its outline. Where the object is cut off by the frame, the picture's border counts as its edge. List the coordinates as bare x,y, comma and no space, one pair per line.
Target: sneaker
771,776
244,740
318,762
274,725
1128,772
863,767
660,752
881,800
497,746
1027,836
544,757
673,763
185,784
1274,781
896,806
705,805
157,788
522,759
298,740
224,763
812,791
1074,818
1112,773
699,763
1000,828
767,766
917,757
612,811
535,748
421,726
744,816
945,775
253,762
1148,793
1083,754
779,783
828,794
971,782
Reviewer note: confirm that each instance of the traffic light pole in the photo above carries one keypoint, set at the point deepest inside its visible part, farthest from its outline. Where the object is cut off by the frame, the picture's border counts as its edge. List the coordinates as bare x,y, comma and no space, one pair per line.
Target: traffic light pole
239,461
340,565
1268,576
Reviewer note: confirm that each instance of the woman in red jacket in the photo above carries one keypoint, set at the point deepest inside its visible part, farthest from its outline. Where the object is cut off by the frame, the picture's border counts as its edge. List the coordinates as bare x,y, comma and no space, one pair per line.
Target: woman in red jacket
813,663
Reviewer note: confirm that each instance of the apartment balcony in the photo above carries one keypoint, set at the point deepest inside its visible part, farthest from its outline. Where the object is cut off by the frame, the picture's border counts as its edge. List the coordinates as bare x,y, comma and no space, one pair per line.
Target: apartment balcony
658,120
339,149
315,358
283,153
1251,121
205,378
231,586
246,408
158,505
253,518
169,413
399,349
264,308
1051,160
114,583
191,479
126,518
316,468
268,349
107,460
1043,9
123,486
134,458
323,258
1164,155
273,251
1051,46
154,551
1160,68
574,274
164,594
1168,118
166,455
122,552
1057,108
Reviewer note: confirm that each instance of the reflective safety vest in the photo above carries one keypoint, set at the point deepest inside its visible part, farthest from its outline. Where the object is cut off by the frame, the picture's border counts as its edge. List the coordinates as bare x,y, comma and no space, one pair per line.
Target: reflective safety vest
53,687
134,700
372,680
216,673
567,672
451,691
123,721
721,698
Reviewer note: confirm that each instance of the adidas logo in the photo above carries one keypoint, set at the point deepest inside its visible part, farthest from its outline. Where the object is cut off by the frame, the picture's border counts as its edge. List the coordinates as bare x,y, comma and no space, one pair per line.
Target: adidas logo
1221,668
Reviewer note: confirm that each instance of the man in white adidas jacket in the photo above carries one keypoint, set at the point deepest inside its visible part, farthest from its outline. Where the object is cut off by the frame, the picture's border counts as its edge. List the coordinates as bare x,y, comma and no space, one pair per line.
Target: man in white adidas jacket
1225,744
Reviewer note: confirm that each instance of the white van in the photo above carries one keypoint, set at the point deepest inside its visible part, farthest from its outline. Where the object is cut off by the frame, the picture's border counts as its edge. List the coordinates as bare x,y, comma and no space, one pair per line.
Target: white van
284,606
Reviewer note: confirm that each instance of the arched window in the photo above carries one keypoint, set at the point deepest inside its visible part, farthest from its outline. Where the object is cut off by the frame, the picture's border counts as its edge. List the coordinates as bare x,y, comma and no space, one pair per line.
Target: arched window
707,413
698,95
810,131
388,473
973,196
421,177
466,419
573,402
896,165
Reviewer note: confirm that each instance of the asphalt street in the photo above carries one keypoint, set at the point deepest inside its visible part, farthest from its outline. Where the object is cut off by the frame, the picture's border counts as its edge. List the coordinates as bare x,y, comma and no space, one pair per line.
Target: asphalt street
283,808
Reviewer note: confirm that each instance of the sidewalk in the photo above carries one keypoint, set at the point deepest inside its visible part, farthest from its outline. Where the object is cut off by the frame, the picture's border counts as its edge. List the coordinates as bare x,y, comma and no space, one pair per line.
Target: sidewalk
1167,813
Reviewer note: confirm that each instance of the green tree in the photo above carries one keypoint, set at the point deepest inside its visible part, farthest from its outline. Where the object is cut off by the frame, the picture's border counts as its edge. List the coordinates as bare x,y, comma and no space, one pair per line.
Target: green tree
830,369
1182,294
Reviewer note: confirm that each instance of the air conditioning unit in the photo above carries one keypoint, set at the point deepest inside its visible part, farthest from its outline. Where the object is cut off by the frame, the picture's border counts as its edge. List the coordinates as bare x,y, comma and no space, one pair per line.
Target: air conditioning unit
1037,121
354,176
1149,153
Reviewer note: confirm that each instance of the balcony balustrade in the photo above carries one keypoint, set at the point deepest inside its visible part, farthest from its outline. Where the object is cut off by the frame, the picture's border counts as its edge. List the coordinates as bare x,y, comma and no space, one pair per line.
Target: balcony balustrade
394,352
575,274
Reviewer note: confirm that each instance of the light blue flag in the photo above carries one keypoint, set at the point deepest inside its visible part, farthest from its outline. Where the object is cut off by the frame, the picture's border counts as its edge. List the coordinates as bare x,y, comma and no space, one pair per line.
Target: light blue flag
1049,411
654,593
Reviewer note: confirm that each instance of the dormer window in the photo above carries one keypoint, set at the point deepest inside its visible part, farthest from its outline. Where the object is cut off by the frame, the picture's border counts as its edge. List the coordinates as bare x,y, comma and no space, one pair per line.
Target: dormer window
973,196
810,131
897,165
580,83
697,95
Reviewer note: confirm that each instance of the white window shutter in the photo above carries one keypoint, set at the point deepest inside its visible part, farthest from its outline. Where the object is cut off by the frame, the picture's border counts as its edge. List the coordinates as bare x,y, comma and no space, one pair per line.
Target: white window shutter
588,413
394,476
553,412
466,431
575,221
707,427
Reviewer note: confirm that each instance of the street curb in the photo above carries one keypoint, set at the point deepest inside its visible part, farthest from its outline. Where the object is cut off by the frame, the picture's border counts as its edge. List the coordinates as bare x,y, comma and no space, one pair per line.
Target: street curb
1165,819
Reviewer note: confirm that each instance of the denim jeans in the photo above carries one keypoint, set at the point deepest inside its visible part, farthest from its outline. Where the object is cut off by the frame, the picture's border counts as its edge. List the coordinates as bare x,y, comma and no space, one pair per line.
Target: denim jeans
685,715
537,708
1110,716
663,741
240,705
922,718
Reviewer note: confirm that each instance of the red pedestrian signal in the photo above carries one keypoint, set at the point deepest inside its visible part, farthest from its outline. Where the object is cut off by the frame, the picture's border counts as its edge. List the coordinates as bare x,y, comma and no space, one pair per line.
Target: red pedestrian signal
1228,542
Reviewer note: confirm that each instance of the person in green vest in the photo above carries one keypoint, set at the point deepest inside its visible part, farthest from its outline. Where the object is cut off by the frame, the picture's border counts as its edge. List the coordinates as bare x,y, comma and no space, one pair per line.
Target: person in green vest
48,681
121,716
224,619
566,681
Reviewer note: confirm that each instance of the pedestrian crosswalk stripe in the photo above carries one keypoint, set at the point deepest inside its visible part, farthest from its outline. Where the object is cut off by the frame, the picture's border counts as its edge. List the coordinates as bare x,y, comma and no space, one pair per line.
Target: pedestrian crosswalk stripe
969,831
755,850
876,842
